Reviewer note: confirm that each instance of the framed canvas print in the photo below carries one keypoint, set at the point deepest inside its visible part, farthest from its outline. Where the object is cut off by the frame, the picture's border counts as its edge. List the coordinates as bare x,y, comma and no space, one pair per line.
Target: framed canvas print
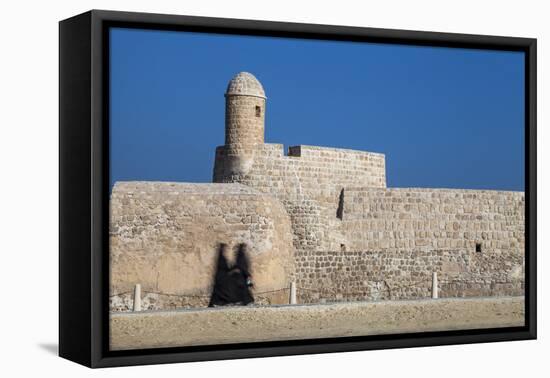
234,188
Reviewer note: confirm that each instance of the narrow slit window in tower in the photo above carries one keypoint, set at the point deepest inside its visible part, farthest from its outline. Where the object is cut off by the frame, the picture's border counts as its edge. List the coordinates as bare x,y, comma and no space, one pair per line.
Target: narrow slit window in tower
478,247
340,209
258,111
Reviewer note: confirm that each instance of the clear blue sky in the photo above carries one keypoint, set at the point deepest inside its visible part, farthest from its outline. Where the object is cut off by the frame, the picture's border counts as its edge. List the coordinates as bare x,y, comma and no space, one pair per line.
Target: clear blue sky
449,118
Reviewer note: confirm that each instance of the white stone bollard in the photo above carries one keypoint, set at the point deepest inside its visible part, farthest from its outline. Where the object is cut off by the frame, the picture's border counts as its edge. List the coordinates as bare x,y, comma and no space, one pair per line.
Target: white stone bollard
434,285
137,297
293,293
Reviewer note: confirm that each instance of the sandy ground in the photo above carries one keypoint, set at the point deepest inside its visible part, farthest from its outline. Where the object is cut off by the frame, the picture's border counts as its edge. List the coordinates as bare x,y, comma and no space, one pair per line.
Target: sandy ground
153,329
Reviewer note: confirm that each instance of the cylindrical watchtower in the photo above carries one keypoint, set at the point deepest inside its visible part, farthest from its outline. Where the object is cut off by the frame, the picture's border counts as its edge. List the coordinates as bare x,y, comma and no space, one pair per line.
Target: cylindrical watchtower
244,112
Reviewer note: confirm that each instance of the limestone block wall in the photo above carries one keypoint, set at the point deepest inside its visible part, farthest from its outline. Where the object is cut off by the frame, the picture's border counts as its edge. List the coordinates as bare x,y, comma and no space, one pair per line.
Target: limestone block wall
164,237
311,169
308,181
391,240
414,218
406,274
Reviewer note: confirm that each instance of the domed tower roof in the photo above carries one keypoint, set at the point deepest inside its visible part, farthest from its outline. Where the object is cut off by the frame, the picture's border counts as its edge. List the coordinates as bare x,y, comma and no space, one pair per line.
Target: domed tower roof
245,84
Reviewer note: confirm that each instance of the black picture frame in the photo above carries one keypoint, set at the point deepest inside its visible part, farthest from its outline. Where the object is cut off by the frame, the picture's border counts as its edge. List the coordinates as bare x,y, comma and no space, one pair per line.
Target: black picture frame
84,187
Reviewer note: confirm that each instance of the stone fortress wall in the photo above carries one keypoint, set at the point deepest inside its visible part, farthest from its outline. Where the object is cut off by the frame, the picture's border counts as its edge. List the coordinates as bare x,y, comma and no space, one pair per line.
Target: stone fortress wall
327,276
343,223
399,218
164,236
308,181
349,237
393,239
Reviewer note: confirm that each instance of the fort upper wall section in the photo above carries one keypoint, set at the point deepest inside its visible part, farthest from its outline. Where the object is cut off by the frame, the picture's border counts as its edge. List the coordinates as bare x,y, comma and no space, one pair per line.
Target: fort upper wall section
164,236
337,199
433,218
308,181
310,169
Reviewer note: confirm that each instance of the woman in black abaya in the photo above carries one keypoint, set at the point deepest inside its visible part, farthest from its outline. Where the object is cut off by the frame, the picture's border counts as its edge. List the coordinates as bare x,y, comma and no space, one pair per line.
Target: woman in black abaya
232,284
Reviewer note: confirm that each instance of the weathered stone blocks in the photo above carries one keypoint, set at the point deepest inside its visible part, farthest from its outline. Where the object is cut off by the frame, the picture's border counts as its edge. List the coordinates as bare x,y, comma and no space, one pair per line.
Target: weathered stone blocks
164,237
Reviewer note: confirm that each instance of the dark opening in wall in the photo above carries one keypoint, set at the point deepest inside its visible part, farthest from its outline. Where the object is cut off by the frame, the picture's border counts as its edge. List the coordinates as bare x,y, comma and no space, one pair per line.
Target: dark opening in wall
478,247
258,111
343,247
340,210
295,151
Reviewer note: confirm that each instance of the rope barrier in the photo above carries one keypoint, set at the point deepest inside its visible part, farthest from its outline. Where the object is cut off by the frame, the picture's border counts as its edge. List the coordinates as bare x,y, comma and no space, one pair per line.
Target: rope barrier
387,287
119,294
191,295
272,291
177,295
470,282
